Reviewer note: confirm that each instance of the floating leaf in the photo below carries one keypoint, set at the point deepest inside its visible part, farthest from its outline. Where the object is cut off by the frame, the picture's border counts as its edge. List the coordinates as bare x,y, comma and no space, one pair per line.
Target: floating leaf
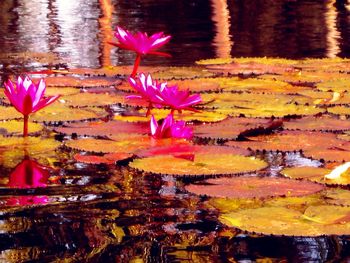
316,221
315,174
253,187
304,77
249,68
214,61
58,112
339,110
331,154
9,113
231,128
203,116
318,123
260,105
293,141
110,158
111,71
197,85
182,73
92,99
336,196
104,129
203,164
15,127
339,85
183,150
121,143
69,81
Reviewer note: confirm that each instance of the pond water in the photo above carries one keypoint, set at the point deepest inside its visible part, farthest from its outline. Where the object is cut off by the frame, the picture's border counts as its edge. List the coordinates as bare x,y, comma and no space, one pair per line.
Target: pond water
101,213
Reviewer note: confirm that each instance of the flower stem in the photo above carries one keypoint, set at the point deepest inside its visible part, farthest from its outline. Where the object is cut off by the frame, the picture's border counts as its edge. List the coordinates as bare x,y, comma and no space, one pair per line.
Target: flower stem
136,65
25,125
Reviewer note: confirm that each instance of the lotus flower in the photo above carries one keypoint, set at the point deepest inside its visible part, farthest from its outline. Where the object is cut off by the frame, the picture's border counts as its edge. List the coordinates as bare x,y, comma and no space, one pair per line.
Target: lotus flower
148,89
27,97
141,44
170,129
179,99
28,174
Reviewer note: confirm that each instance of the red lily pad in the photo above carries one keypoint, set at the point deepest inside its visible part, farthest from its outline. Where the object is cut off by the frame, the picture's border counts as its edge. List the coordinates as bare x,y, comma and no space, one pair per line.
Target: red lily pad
253,187
110,158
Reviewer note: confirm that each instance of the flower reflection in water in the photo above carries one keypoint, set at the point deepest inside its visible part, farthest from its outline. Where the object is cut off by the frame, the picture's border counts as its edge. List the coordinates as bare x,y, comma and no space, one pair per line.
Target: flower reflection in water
28,174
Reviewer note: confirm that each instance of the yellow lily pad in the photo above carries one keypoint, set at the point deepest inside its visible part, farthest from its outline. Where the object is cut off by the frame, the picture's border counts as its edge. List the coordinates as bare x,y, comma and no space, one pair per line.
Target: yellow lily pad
316,221
58,112
182,73
15,127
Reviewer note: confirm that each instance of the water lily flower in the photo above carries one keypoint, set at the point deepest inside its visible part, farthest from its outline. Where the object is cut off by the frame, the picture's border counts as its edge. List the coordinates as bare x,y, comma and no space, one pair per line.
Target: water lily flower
148,89
140,43
170,128
179,99
28,174
27,97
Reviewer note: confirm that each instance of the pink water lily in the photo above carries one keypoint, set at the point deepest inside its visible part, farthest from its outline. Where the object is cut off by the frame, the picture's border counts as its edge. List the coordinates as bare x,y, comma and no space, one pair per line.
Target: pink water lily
179,99
27,97
140,43
148,89
170,128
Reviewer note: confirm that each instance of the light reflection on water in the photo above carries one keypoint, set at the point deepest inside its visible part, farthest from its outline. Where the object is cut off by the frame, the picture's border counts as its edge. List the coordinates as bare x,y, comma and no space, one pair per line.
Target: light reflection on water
77,31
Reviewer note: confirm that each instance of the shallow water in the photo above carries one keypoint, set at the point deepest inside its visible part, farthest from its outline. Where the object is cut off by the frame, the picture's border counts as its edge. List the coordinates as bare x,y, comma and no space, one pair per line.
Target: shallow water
112,214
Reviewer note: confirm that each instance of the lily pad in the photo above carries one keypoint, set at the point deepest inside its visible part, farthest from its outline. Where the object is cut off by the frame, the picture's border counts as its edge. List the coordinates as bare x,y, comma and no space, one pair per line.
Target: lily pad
92,99
15,127
110,158
293,141
202,116
315,221
60,113
104,129
231,128
202,164
318,123
253,187
182,73
121,143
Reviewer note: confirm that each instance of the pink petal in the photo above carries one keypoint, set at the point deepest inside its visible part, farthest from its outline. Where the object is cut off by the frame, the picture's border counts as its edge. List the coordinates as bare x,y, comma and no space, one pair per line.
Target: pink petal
45,102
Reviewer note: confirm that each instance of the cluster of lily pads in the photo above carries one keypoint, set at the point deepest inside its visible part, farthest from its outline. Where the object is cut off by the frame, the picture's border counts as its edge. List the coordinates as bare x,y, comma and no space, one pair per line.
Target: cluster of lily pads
248,110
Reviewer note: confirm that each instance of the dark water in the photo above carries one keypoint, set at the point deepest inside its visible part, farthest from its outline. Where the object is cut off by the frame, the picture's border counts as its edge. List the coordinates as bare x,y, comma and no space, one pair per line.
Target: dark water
104,214
77,31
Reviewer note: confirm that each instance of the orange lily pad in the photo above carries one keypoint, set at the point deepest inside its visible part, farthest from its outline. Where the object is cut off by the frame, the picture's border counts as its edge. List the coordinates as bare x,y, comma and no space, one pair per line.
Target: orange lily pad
202,164
293,141
190,150
318,123
253,187
182,73
315,221
110,158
